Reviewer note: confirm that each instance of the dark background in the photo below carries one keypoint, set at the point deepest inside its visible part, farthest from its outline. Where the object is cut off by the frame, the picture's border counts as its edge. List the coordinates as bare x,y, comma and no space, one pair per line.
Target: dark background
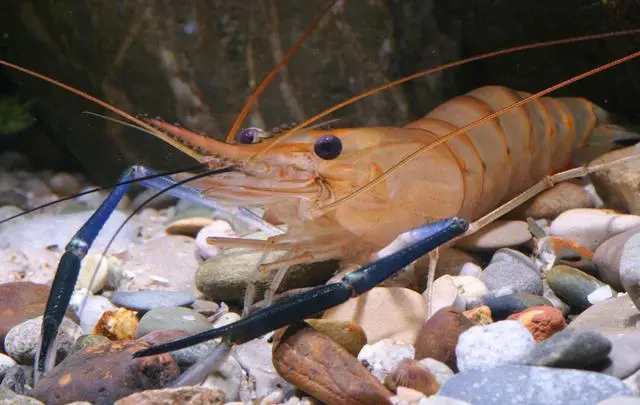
195,62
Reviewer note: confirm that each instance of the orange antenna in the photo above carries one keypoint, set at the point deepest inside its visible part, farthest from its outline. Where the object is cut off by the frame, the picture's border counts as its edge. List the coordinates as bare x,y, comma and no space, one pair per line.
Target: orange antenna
153,131
265,82
426,72
472,125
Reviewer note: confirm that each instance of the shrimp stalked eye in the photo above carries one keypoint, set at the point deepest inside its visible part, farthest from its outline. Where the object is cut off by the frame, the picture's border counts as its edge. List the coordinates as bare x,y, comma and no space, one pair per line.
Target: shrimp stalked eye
328,147
250,135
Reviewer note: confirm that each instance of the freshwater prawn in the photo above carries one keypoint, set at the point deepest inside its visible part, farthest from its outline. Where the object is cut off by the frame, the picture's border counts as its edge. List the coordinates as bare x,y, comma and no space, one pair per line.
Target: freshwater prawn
341,192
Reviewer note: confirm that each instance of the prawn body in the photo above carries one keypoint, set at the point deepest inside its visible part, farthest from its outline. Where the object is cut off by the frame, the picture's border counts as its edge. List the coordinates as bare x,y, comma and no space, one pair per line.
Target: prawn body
466,176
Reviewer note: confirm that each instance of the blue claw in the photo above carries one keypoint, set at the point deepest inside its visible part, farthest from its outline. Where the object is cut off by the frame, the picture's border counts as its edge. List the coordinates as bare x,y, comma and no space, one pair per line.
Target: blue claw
285,312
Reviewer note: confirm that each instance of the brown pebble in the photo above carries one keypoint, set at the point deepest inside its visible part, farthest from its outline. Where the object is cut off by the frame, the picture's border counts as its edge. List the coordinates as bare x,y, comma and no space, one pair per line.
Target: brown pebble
412,374
439,335
188,226
553,202
542,321
479,315
321,367
348,334
105,373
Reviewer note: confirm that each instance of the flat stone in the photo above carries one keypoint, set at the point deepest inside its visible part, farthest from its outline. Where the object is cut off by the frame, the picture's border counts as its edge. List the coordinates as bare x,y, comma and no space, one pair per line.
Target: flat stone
560,198
630,268
516,385
150,299
374,309
188,226
483,347
571,348
19,302
618,185
591,227
608,255
504,305
172,318
624,357
609,317
496,235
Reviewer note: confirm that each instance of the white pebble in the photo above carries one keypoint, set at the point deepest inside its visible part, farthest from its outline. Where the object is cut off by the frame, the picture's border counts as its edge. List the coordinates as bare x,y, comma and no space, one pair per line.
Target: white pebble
483,347
384,355
601,294
218,228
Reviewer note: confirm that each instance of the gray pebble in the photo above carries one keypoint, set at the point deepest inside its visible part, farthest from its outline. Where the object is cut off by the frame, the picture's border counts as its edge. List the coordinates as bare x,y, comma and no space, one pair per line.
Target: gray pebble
6,363
624,357
517,385
22,340
484,347
172,318
570,348
630,268
510,268
146,300
622,400
18,378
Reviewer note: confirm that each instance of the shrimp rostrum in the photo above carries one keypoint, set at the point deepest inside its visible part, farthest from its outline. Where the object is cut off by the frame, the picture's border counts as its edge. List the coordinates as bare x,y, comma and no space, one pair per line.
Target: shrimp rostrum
350,193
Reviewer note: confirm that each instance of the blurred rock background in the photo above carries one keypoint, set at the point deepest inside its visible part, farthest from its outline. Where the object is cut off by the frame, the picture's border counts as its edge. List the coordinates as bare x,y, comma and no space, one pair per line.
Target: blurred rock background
196,63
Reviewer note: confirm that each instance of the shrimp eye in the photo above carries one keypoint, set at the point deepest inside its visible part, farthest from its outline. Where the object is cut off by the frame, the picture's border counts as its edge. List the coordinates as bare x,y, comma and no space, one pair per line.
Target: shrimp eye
249,135
328,147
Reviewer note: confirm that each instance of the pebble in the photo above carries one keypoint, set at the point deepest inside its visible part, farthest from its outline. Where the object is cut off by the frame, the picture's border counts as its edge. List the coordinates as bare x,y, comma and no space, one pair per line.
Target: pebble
607,258
182,395
479,315
469,287
257,359
485,347
439,336
504,305
609,317
172,318
471,269
591,227
445,293
229,377
120,324
630,268
384,355
496,235
558,199
618,185
412,374
94,308
6,363
572,286
18,379
624,357
64,184
93,273
516,385
104,374
22,340
555,300
622,400
224,277
184,357
571,348
188,226
601,294
553,250
19,302
347,334
510,268
150,299
440,371
373,310
217,228
85,341
542,322
319,366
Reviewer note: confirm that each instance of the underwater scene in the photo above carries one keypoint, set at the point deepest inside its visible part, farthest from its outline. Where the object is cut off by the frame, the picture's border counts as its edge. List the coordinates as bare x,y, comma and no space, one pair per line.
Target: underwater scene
405,202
